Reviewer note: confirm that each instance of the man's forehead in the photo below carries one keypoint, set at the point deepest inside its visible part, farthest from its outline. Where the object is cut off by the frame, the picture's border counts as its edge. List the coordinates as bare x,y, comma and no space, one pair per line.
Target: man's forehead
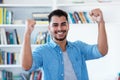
58,20
63,22
58,17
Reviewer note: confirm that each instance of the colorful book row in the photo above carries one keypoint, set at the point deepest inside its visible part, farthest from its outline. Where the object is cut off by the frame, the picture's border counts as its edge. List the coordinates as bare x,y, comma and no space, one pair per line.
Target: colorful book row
6,16
80,17
9,57
9,37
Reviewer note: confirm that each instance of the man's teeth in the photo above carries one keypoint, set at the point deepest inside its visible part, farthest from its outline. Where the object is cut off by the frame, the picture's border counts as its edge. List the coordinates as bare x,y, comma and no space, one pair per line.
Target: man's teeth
60,32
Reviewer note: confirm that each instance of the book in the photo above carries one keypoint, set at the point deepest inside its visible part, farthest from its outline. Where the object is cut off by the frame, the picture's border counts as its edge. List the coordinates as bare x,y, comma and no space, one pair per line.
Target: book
1,15
78,1
76,21
17,37
70,17
88,17
40,17
3,36
1,61
36,75
6,75
39,75
0,75
6,17
77,17
82,17
23,76
11,37
104,1
40,38
3,58
41,22
9,17
1,1
0,36
9,57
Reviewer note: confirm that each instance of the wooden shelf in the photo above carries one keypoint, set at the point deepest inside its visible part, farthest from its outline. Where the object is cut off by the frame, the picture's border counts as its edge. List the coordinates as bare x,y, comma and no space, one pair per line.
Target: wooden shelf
10,66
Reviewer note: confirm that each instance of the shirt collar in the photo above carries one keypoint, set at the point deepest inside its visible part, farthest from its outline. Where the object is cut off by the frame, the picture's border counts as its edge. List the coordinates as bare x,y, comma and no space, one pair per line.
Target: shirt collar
53,44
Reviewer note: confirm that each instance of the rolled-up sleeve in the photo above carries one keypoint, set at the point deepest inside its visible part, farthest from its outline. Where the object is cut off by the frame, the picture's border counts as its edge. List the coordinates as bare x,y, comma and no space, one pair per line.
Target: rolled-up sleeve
36,59
89,51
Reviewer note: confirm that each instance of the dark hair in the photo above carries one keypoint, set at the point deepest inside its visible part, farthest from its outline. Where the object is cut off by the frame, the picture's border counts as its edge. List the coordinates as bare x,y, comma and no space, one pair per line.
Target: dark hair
58,13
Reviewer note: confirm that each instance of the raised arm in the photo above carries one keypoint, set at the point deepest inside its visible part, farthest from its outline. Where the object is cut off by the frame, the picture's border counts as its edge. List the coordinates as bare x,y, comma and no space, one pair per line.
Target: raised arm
102,37
26,53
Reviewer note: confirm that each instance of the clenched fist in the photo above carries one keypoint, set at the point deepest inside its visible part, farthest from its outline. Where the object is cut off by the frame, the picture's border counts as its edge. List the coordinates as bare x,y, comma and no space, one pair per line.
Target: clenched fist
97,15
30,24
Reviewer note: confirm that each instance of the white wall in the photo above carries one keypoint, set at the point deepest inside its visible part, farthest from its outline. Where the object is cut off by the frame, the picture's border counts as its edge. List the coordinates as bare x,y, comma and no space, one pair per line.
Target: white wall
105,68
27,1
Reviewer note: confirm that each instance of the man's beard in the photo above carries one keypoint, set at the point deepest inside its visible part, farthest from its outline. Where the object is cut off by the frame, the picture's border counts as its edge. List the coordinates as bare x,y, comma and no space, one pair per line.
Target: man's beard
61,39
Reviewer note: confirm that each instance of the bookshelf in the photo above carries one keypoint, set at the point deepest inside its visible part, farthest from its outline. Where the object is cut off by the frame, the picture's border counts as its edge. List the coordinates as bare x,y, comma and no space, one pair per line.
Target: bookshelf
87,6
23,10
106,68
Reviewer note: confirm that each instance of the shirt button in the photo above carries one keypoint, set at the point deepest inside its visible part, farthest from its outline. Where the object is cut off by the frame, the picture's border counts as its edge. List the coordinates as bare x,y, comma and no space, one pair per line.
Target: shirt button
60,52
61,74
62,62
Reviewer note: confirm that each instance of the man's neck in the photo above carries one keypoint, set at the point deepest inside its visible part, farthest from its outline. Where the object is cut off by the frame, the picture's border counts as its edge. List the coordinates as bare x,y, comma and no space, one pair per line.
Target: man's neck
62,44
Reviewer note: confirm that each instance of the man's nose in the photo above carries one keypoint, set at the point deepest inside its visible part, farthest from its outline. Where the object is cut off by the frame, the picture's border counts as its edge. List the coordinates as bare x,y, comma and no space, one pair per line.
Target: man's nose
59,27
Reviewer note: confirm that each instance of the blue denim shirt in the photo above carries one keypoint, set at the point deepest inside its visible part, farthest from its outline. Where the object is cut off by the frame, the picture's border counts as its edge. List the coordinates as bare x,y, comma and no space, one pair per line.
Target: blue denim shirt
49,57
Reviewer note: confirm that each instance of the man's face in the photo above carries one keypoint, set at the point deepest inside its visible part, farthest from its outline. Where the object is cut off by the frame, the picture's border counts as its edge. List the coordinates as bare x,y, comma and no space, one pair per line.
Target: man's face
58,28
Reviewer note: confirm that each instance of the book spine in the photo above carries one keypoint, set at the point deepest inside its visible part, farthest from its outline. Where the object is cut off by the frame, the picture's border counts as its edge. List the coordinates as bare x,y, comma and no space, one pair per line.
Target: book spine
1,15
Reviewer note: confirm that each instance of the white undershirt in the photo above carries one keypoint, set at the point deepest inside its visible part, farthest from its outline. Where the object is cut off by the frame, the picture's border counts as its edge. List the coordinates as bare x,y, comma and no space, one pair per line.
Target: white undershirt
69,73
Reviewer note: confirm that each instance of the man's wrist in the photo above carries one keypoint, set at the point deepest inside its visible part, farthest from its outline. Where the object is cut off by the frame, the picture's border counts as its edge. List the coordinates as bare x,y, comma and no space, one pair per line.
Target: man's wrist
101,22
27,35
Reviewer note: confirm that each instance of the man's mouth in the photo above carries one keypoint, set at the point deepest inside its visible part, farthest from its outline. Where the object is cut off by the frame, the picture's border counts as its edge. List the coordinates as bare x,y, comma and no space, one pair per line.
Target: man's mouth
60,32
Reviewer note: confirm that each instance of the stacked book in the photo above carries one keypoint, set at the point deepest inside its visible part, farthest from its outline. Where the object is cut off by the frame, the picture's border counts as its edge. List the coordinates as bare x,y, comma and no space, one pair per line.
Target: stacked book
40,17
6,16
80,17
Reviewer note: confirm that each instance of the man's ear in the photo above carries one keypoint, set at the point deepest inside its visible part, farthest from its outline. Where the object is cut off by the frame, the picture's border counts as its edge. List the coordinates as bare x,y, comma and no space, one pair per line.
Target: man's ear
68,26
48,27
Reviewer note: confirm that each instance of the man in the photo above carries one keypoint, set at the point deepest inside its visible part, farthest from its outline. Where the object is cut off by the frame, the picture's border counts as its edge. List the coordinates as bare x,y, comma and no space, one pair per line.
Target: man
61,59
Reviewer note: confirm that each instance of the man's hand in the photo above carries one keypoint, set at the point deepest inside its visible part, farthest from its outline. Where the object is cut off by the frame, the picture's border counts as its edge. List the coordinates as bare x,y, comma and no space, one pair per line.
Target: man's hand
26,56
97,15
30,26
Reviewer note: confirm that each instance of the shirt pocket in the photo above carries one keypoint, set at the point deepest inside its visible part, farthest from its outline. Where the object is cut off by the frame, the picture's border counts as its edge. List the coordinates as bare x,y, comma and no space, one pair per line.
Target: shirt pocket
53,68
78,61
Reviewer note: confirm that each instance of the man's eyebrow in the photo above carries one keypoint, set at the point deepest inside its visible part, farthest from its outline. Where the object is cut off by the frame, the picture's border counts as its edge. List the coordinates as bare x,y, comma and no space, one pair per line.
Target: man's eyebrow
63,22
60,23
55,23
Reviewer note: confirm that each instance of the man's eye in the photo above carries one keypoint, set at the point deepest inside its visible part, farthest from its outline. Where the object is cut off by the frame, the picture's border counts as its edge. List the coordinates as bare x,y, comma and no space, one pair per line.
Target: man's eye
55,25
63,24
